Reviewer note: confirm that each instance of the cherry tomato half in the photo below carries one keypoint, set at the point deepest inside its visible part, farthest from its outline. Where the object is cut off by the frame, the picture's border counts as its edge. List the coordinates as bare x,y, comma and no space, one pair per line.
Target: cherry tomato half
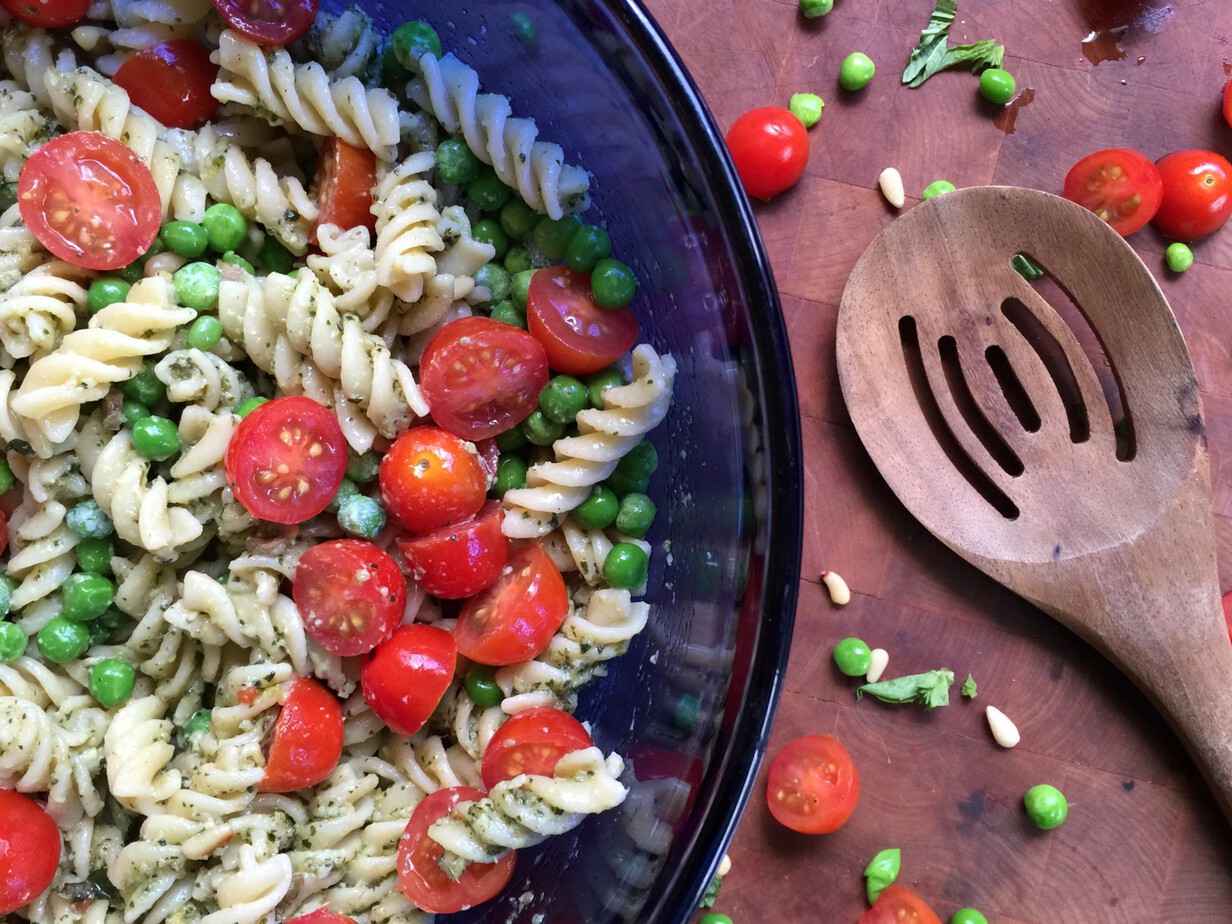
532,742
172,82
350,594
456,561
899,905
345,178
431,478
1121,186
578,335
90,200
769,147
419,871
286,460
405,677
515,618
307,739
321,916
269,22
1197,194
29,850
812,786
1227,103
47,14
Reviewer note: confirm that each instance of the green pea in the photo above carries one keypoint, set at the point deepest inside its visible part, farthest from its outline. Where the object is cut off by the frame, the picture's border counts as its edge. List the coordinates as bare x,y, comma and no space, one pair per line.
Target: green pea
104,291
599,510
967,916
686,712
346,490
86,596
157,246
811,9
1179,257
881,872
361,515
274,257
247,407
997,85
455,163
853,657
517,260
6,475
62,640
94,555
600,382
552,235
520,287
133,411
197,285
199,723
542,430
412,40
13,642
482,688
225,227
1025,268
231,258
101,628
1046,805
937,188
632,473
363,467
6,597
510,474
807,108
111,682
133,273
185,238
156,438
626,566
518,219
88,520
587,246
562,398
612,284
508,313
204,333
487,191
511,440
524,29
490,232
495,279
637,513
144,387
856,71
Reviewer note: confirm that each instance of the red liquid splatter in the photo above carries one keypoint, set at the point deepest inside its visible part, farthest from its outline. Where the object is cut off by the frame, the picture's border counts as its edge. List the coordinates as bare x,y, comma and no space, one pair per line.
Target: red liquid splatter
1009,115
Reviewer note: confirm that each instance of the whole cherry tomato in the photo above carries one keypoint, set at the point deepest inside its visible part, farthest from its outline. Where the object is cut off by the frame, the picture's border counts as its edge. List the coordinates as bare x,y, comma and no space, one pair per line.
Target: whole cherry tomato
431,478
1119,185
769,147
899,905
405,677
1197,194
29,850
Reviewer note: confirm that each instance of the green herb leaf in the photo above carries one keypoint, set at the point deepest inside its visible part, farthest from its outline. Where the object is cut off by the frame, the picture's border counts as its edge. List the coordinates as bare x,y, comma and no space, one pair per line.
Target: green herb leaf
969,689
978,56
931,54
931,689
712,892
881,872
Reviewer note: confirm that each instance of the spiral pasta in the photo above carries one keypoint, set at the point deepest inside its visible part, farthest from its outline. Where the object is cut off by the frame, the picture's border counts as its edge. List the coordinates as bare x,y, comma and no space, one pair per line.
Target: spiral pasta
343,44
39,309
19,251
347,265
22,129
406,227
206,379
30,55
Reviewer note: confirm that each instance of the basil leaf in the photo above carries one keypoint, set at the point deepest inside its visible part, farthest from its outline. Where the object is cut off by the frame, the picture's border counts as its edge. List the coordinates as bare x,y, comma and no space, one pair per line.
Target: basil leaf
931,689
978,56
712,892
969,688
881,872
930,52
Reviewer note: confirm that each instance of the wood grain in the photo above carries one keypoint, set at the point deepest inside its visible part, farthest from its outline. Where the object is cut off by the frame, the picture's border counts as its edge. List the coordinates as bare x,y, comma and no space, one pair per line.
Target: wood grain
1145,841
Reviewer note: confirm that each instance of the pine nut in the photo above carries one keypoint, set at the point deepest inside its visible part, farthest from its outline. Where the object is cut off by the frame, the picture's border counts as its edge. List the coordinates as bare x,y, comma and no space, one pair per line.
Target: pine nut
877,665
891,183
1003,730
840,593
724,865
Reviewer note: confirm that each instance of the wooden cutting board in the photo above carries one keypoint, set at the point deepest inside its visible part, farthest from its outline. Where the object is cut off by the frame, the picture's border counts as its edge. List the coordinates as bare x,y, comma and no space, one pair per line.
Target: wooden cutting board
1144,842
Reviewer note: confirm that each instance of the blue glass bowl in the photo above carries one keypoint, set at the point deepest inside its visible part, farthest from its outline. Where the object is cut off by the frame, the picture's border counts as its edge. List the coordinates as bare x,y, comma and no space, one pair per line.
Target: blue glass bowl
692,702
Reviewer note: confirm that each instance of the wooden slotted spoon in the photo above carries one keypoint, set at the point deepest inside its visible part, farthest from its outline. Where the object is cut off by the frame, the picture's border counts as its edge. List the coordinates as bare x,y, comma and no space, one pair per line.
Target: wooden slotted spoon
965,406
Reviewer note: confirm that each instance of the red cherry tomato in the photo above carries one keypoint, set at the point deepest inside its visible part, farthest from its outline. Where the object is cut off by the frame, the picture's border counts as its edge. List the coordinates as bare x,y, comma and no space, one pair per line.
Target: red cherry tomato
321,916
489,458
456,561
532,742
431,478
350,594
813,786
769,147
578,335
898,905
405,677
307,739
1227,612
419,871
345,178
1197,194
47,14
29,850
172,82
286,460
1227,103
482,377
515,618
269,22
1121,186
90,200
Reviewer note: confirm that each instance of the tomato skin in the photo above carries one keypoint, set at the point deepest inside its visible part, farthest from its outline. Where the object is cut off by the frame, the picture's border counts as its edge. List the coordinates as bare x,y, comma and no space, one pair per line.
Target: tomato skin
1227,103
307,739
812,786
431,478
482,377
515,618
1197,194
321,916
269,22
1121,186
457,561
770,148
47,14
172,82
578,335
90,200
350,594
345,178
29,850
405,677
899,905
299,435
532,742
419,873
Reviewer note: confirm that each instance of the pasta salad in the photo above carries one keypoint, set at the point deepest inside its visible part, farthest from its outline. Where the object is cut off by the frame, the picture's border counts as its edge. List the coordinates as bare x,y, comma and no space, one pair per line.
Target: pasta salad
325,486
